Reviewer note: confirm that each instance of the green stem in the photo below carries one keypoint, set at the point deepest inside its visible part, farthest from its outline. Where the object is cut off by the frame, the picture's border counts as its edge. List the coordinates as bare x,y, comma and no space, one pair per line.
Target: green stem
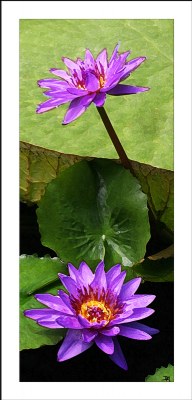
114,138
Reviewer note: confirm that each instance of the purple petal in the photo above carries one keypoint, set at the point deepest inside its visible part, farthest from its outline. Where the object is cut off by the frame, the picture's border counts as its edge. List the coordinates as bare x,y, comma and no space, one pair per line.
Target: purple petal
119,90
69,321
111,81
123,56
99,99
131,66
138,313
105,343
51,301
101,61
72,345
117,283
62,74
77,92
129,289
77,107
74,273
142,327
91,82
118,65
111,331
48,324
52,103
59,93
113,273
115,53
133,333
120,318
89,59
42,313
69,284
86,273
80,62
70,64
117,357
98,325
86,324
100,277
140,300
88,335
52,84
65,298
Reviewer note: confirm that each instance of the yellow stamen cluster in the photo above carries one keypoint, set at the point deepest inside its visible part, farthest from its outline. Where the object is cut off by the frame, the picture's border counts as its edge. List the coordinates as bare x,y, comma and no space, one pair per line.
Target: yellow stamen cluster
101,81
95,311
81,86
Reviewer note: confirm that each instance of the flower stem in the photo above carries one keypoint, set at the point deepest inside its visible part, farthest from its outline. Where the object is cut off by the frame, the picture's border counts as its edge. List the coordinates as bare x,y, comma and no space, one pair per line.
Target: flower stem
114,138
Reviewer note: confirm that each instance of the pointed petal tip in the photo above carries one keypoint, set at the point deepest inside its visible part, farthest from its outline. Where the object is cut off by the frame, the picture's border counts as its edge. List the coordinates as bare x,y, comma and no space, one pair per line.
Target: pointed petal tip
61,276
39,109
70,265
145,89
101,264
124,366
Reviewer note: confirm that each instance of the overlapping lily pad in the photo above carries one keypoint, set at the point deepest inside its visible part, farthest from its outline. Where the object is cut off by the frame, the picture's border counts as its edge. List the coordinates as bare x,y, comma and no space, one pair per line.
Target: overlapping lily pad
160,270
95,210
37,275
144,122
38,166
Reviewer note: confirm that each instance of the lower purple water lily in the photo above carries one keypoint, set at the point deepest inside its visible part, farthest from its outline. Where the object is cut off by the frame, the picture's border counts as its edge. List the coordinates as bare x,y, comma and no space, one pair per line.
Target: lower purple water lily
97,308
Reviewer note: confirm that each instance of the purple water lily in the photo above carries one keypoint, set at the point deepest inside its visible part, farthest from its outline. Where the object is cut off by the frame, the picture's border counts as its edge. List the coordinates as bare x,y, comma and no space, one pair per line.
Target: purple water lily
89,81
97,308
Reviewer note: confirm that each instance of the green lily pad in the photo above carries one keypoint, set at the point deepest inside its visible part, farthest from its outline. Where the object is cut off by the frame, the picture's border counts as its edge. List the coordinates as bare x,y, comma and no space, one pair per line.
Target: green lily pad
156,270
158,267
37,275
144,122
95,210
39,166
158,184
163,374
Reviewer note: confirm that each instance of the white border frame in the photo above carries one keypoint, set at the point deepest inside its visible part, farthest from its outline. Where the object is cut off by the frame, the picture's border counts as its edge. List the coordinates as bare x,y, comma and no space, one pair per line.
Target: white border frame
180,11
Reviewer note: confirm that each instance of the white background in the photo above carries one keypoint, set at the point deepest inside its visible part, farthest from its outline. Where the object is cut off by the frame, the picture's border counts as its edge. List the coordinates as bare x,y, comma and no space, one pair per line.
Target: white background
12,12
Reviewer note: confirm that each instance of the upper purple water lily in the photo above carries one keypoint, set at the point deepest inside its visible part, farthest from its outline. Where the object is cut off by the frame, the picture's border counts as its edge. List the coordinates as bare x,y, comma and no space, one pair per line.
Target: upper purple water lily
97,308
89,81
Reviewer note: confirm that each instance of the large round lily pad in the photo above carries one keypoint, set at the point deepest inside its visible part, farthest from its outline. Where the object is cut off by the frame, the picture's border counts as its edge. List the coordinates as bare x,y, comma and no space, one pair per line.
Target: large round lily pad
92,211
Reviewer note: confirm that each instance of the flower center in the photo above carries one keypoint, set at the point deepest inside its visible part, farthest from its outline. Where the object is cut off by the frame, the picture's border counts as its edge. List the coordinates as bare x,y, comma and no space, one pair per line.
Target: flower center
81,86
101,81
95,311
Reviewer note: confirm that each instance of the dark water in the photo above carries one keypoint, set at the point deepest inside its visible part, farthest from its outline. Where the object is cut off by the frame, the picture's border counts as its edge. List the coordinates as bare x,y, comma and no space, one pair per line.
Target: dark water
143,357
